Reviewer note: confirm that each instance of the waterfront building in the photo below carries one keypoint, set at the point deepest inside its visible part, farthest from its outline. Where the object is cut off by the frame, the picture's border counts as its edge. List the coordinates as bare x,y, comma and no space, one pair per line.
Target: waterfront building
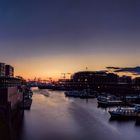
2,69
93,80
6,70
137,81
9,71
10,82
125,79
11,91
102,82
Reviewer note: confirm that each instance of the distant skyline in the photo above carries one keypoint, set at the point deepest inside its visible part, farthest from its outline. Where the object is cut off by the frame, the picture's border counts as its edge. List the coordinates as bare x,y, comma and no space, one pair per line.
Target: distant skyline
44,38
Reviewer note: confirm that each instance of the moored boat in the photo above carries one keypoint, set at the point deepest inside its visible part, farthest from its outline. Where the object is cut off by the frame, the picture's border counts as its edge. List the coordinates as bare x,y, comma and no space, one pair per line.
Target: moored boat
27,104
124,113
109,101
81,94
73,93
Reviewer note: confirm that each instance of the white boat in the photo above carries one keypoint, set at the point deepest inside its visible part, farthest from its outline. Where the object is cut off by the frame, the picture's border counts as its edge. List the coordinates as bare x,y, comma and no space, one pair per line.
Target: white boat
109,101
124,112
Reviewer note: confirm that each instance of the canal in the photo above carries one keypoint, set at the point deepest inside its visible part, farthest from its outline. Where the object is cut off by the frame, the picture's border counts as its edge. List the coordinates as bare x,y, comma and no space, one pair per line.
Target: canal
55,117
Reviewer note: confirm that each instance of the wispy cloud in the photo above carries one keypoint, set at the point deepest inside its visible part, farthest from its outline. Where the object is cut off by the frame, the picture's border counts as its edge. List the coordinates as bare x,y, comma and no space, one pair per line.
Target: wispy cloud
133,70
113,68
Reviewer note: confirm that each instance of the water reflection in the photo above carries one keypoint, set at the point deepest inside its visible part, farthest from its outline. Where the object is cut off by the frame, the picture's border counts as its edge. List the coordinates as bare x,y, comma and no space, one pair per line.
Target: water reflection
74,118
53,116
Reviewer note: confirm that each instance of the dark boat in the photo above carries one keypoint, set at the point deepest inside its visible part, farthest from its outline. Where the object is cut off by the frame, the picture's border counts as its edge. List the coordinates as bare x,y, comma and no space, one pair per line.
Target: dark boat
45,87
73,93
86,95
27,99
27,104
52,87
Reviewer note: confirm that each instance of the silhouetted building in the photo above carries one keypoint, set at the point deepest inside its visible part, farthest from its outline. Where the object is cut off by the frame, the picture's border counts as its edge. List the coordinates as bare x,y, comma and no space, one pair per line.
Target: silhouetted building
10,82
9,71
125,79
2,69
137,81
12,94
93,80
6,70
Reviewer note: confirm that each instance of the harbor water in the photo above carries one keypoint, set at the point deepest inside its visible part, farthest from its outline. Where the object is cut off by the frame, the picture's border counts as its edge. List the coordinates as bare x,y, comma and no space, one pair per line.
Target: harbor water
56,117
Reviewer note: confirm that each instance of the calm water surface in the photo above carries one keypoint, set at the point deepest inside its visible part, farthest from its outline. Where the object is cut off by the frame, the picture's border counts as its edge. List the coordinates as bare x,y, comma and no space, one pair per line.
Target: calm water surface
53,116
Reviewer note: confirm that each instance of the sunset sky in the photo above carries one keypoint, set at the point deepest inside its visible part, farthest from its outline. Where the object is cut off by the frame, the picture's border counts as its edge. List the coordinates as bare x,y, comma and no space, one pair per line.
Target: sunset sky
44,38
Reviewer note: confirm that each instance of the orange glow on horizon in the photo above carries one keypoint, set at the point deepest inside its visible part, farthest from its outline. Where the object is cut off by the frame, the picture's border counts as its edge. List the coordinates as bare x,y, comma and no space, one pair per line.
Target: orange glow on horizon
58,75
45,67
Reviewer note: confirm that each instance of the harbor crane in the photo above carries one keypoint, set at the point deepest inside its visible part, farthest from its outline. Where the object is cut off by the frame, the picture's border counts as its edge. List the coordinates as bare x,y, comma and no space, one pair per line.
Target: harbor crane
64,75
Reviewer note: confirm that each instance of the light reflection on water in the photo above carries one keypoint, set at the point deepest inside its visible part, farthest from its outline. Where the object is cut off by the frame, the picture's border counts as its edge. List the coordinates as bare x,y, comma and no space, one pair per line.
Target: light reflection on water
53,116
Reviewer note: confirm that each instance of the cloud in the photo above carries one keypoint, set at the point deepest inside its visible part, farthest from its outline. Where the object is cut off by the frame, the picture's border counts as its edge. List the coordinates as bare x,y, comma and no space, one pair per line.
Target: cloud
113,68
133,70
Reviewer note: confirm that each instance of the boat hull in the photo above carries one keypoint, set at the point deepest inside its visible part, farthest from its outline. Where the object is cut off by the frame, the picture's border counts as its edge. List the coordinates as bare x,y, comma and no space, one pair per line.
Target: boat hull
101,103
122,116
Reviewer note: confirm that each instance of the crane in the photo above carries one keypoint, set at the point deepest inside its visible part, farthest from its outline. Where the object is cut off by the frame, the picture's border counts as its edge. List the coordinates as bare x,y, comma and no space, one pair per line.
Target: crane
64,75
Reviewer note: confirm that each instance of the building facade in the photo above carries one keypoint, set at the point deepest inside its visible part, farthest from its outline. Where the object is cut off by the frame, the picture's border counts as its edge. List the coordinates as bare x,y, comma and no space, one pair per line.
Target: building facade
6,70
9,71
2,69
93,80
